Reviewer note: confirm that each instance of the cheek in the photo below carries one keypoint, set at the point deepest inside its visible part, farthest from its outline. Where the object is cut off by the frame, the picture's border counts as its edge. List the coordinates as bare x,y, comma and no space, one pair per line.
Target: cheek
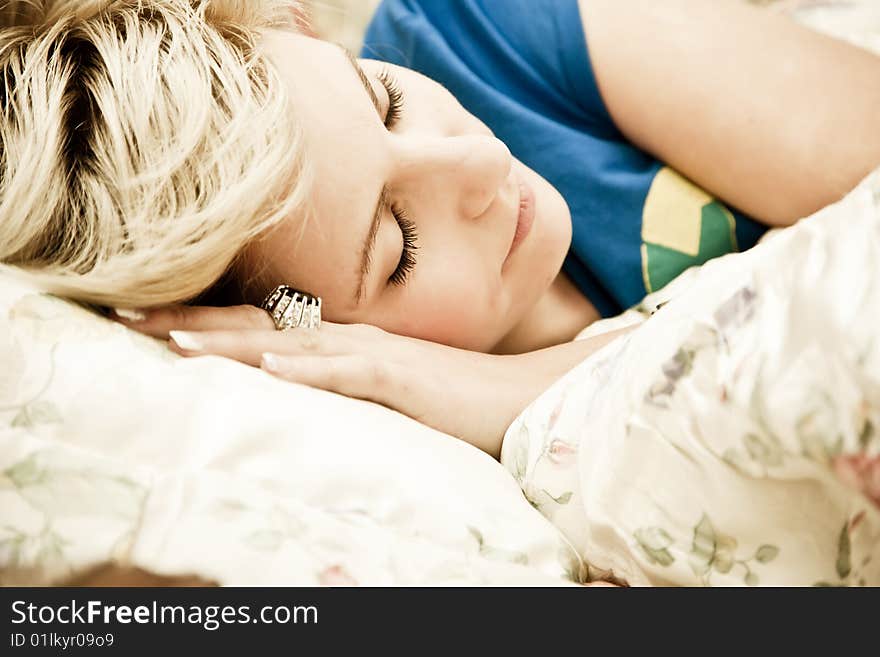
449,325
456,310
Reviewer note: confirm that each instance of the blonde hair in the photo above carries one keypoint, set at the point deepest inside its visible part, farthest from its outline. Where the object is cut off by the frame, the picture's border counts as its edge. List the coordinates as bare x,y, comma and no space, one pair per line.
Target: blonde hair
144,144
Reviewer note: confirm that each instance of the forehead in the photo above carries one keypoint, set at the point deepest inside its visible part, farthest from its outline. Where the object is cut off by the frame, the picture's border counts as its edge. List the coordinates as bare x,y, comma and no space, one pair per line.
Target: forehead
319,252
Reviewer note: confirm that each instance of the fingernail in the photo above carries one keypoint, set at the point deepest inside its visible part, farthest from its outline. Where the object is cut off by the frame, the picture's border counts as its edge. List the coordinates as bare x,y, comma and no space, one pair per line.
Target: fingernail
271,363
130,314
186,341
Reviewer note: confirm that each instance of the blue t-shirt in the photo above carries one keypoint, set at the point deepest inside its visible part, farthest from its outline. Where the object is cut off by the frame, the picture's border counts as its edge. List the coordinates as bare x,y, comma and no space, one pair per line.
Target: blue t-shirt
523,68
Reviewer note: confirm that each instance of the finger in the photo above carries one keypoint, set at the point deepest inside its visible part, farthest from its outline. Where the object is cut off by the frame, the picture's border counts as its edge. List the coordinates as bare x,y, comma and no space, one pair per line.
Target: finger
161,321
248,346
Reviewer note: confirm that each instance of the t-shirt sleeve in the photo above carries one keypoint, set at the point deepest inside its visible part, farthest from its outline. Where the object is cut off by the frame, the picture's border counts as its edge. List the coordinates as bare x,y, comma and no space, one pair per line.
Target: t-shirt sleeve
533,49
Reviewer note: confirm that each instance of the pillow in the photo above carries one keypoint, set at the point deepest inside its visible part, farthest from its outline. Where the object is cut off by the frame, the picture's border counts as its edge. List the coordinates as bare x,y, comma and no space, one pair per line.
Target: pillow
112,448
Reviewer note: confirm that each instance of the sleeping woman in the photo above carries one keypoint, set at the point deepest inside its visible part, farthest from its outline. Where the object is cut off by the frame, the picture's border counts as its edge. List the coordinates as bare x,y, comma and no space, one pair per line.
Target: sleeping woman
536,166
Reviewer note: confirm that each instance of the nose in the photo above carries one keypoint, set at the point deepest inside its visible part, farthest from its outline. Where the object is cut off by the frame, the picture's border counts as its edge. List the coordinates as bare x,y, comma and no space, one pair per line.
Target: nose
465,170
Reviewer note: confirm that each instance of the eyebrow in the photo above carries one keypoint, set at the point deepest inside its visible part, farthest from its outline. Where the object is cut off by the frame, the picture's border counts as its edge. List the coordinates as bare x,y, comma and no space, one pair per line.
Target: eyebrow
382,203
363,77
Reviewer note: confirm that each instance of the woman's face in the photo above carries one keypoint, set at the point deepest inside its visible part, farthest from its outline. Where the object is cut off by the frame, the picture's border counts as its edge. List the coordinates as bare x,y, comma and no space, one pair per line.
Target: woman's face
387,144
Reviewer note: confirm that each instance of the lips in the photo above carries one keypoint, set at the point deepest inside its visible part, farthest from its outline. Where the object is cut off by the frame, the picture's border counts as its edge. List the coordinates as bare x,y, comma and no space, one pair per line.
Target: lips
526,216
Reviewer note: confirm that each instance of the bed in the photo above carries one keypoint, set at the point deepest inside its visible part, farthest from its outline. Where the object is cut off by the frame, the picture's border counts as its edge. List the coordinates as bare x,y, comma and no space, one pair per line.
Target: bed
113,449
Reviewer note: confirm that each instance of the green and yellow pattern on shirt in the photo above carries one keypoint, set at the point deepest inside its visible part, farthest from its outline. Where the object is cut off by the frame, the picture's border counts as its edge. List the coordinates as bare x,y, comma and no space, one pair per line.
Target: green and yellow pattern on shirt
682,226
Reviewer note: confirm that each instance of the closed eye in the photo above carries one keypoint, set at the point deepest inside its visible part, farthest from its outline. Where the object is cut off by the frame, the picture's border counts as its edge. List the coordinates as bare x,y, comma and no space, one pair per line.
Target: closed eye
408,256
395,98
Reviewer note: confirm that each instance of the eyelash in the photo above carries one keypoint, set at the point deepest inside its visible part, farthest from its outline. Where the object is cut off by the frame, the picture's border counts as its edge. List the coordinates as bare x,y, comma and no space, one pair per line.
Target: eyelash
407,228
395,98
408,255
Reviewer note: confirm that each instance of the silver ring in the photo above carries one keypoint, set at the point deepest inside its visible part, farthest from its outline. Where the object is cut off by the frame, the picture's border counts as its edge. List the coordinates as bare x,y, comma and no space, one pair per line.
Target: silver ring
290,308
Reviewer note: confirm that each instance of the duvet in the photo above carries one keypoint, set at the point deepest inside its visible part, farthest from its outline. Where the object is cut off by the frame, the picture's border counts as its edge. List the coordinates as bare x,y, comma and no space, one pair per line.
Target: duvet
732,437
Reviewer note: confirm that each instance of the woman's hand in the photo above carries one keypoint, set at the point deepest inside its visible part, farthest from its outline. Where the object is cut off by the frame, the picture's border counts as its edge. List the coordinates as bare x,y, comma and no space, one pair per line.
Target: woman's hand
470,395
